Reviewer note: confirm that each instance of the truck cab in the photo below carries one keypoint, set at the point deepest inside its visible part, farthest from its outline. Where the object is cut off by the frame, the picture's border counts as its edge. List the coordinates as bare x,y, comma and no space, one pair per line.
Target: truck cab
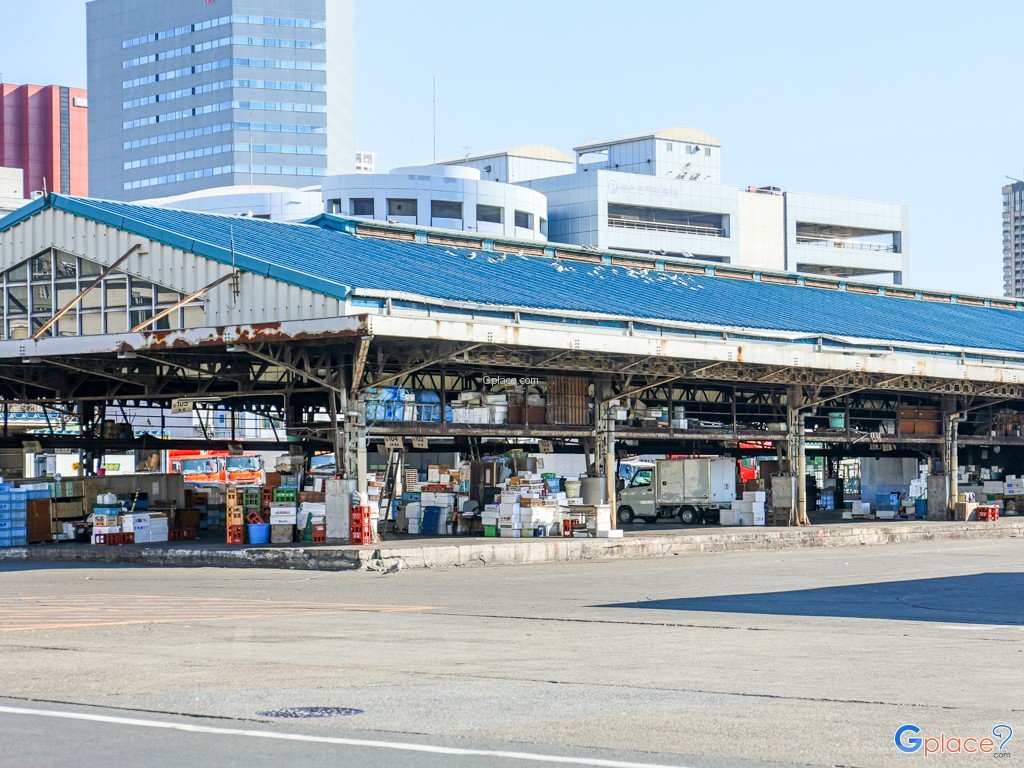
692,489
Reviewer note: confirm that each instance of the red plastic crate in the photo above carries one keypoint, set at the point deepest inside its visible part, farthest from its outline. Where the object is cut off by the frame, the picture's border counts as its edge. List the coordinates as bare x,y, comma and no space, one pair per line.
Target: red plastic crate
236,534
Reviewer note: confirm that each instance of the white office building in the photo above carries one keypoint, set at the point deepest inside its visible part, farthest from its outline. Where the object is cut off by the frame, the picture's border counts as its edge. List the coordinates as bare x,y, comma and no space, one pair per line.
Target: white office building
662,193
442,196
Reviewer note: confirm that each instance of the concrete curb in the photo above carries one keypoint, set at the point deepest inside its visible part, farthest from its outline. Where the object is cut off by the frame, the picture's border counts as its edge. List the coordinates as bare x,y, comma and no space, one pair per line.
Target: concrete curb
440,554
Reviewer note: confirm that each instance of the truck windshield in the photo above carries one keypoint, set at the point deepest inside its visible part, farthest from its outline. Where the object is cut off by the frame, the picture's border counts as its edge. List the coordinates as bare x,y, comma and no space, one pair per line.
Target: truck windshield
641,479
236,463
199,465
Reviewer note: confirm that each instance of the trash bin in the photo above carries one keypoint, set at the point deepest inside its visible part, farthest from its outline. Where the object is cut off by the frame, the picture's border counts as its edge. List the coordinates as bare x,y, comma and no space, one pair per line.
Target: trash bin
259,533
921,509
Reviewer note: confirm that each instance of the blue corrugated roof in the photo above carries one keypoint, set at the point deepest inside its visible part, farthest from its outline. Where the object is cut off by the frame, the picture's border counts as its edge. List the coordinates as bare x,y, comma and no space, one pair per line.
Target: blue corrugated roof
332,262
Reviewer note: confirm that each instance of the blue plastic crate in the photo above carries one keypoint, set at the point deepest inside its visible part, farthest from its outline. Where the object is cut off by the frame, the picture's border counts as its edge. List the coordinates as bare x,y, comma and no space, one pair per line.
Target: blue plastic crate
19,533
5,541
6,525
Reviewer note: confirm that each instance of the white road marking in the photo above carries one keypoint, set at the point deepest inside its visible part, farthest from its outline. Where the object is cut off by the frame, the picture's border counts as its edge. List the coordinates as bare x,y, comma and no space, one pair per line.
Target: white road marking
527,756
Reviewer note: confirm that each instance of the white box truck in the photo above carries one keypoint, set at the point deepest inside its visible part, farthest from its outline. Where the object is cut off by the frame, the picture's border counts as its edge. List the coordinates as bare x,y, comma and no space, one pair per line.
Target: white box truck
691,489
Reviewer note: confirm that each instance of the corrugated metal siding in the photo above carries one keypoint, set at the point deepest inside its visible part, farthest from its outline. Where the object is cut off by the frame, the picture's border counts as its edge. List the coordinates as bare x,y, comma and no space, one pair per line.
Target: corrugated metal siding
261,300
324,262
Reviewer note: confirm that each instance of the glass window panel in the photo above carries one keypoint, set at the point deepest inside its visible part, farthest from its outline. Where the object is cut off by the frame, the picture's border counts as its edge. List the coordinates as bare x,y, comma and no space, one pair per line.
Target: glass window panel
68,325
93,300
489,213
19,273
117,321
165,296
360,206
19,329
67,265
66,291
401,206
116,293
17,302
142,302
42,298
92,324
90,268
42,266
39,322
142,293
445,209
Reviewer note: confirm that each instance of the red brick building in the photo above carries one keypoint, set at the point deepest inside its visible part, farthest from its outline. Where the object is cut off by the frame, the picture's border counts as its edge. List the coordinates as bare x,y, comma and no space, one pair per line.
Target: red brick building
44,131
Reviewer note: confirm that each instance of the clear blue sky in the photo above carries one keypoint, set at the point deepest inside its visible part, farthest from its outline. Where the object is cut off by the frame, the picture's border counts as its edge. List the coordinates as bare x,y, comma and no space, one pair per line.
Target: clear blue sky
909,102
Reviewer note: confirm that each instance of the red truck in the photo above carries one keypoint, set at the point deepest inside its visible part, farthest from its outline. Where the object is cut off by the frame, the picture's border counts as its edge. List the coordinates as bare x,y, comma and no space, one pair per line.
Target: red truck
205,468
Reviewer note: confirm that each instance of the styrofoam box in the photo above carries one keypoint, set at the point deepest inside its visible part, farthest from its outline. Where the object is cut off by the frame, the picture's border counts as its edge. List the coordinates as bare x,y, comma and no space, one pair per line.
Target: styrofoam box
106,529
755,496
727,516
610,534
283,519
414,526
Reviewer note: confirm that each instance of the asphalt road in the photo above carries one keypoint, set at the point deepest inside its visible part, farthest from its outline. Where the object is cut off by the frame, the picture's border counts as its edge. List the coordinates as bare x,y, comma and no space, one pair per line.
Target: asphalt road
804,657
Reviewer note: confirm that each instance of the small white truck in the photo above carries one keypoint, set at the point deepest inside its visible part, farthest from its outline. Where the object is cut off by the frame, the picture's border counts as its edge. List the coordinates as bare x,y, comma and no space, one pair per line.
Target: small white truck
691,489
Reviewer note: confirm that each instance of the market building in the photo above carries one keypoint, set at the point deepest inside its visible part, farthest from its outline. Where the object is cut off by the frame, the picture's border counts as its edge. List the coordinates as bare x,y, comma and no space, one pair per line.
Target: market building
441,348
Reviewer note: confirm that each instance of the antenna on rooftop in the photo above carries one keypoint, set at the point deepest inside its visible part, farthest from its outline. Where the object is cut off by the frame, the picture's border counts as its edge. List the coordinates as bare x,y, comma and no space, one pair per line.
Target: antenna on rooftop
434,114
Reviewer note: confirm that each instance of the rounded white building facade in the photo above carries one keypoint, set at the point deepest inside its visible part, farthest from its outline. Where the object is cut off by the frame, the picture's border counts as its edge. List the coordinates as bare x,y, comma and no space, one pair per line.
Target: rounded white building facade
442,196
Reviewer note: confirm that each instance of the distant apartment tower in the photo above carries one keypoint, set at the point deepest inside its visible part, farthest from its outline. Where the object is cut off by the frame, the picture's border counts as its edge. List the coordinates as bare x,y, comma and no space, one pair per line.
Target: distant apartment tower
213,93
44,132
1013,239
366,162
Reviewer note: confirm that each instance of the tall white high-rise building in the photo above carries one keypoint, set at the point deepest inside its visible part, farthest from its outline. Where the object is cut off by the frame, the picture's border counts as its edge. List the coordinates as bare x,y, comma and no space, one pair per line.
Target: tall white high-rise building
213,93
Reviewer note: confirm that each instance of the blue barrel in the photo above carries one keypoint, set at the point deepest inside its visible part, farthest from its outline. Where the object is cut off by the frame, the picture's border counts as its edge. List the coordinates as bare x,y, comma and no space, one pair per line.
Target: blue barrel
259,533
921,508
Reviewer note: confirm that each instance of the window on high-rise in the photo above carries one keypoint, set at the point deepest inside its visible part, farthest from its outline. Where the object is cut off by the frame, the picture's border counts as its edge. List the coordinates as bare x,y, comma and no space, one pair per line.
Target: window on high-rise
445,209
491,214
524,219
362,206
398,206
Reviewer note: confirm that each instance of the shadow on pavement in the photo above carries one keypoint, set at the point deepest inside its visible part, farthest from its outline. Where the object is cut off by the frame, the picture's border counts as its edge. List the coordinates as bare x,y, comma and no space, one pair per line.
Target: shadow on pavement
983,598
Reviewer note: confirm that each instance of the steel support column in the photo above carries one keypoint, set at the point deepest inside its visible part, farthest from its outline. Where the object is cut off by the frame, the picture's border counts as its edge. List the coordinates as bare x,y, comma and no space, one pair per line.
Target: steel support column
795,421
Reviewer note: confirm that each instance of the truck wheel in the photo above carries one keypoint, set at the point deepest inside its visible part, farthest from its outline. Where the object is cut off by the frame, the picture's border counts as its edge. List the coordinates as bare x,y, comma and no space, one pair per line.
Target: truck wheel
688,515
625,515
651,520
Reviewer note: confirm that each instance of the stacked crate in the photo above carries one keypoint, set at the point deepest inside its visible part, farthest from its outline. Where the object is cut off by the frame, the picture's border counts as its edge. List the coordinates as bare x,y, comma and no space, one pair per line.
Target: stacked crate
13,516
106,524
283,515
360,530
235,516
